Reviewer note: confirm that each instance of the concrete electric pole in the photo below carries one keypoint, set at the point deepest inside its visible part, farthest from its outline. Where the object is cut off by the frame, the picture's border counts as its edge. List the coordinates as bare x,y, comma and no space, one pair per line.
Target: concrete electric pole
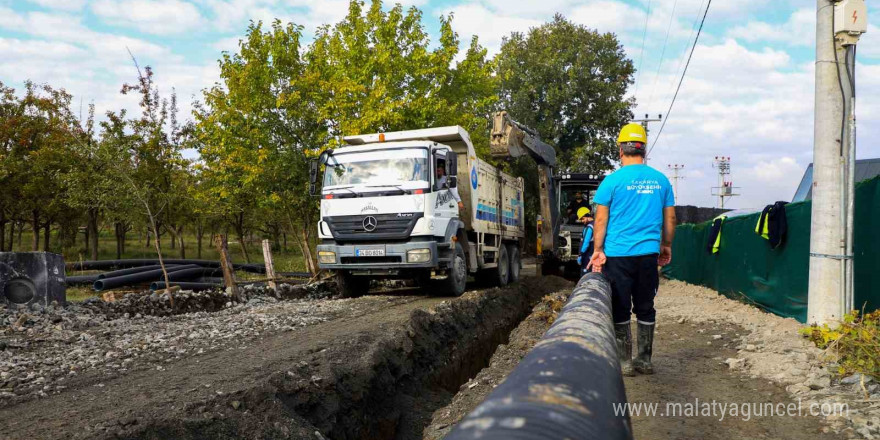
725,187
644,121
675,178
838,25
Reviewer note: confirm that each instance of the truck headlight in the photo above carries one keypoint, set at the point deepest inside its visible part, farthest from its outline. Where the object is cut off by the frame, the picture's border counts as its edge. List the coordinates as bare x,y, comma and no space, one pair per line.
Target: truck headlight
418,256
326,257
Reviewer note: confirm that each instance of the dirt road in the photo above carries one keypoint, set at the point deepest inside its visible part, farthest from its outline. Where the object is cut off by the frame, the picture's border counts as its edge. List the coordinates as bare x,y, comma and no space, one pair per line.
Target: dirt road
359,374
696,333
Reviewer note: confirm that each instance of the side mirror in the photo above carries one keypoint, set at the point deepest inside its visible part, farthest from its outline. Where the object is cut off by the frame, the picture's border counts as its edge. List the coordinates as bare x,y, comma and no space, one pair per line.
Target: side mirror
451,164
452,181
313,171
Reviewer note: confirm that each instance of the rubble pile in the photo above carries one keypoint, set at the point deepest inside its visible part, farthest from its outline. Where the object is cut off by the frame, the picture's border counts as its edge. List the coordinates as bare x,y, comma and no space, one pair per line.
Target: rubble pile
43,347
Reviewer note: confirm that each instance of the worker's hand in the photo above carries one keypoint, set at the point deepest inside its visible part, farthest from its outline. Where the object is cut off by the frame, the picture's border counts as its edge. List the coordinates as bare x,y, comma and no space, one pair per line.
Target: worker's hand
597,261
460,206
665,255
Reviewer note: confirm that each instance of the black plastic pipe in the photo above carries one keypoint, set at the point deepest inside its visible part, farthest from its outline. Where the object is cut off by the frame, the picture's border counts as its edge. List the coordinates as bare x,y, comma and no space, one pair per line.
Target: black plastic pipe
121,272
113,264
568,386
136,278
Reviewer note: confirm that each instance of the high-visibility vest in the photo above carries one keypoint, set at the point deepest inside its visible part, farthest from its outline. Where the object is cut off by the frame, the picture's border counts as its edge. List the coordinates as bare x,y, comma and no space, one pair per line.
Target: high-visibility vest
715,234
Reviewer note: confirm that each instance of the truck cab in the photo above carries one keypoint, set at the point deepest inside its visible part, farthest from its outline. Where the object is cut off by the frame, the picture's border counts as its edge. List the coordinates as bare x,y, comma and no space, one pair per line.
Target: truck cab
389,209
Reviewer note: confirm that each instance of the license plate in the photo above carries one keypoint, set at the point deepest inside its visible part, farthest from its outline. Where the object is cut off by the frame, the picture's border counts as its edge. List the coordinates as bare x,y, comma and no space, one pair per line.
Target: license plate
369,252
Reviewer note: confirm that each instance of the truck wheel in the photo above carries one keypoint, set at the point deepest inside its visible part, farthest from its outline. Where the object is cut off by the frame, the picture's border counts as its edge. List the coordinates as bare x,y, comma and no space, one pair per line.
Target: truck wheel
349,286
455,282
501,274
515,263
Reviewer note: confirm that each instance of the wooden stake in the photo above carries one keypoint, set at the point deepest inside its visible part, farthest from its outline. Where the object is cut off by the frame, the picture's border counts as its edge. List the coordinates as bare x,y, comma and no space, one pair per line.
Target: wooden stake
270,266
226,265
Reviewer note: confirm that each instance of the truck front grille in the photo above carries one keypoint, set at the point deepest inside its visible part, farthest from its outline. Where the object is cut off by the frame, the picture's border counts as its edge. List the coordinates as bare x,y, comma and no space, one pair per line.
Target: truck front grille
372,227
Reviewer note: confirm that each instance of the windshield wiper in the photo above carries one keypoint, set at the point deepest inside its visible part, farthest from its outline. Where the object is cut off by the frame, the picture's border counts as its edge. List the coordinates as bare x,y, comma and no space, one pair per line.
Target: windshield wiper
347,188
400,188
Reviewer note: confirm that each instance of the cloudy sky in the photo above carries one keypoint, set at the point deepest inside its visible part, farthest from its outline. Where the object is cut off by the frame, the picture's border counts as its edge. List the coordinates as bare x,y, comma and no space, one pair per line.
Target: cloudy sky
748,93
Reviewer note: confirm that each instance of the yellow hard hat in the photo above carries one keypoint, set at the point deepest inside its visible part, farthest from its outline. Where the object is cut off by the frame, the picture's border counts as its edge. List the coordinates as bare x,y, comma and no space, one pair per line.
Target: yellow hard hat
582,211
632,132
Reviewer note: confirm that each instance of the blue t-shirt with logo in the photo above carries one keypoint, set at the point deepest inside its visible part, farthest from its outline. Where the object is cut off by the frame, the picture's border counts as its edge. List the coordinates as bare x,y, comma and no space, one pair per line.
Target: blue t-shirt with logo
635,196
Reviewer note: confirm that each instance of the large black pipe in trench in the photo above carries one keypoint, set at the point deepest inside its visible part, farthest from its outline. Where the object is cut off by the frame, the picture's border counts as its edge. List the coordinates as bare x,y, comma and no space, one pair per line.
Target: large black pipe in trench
567,386
137,278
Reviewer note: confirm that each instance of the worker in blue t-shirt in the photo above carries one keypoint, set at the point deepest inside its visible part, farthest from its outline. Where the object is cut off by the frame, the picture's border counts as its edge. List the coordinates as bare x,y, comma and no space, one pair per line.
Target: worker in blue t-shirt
634,227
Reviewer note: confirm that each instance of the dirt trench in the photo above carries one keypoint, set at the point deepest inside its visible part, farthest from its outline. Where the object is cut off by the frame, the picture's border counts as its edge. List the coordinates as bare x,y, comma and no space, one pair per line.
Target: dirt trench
377,375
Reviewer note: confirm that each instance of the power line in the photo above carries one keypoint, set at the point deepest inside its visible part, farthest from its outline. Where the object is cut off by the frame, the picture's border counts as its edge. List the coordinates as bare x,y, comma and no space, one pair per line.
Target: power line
683,73
642,53
685,51
662,53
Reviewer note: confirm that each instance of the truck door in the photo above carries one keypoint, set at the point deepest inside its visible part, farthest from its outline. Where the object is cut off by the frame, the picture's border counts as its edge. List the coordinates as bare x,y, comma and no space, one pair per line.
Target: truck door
445,206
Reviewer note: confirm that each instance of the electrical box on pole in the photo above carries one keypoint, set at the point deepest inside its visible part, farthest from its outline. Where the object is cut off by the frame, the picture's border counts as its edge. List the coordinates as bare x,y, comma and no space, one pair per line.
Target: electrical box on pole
850,19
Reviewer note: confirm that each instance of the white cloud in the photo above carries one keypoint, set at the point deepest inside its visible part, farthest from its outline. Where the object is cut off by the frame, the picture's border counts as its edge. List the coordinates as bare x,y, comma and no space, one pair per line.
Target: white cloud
491,27
799,30
150,16
64,5
774,170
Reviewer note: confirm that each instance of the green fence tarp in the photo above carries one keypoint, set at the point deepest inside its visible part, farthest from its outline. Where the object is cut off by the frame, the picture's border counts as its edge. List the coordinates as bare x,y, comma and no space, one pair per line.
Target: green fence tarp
747,268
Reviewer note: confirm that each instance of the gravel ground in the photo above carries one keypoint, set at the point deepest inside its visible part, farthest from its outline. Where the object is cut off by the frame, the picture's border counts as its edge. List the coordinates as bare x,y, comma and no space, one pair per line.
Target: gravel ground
41,350
770,348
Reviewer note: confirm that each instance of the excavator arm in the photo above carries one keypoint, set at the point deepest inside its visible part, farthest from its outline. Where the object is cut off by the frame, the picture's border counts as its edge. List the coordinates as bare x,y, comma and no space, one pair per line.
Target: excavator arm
512,139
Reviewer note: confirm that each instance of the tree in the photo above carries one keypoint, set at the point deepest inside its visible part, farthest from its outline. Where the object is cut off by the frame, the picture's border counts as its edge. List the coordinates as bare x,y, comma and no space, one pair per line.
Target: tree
568,82
143,153
278,106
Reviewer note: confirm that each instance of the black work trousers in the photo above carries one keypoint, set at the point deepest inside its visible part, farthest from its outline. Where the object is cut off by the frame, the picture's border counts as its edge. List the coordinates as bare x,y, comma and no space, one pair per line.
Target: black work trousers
634,282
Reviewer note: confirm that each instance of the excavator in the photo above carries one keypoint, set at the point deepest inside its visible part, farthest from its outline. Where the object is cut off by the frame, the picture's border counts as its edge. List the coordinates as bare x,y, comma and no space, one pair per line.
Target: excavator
558,235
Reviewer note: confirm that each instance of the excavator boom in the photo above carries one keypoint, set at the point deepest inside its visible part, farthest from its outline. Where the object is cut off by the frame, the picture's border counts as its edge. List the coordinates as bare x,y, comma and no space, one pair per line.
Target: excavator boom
512,139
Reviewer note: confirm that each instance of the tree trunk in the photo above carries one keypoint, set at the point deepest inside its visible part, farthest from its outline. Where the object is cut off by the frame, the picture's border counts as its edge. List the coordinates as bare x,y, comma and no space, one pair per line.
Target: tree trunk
239,229
92,233
2,231
47,229
35,225
311,264
182,245
200,230
11,235
117,229
125,229
284,234
20,232
173,237
276,237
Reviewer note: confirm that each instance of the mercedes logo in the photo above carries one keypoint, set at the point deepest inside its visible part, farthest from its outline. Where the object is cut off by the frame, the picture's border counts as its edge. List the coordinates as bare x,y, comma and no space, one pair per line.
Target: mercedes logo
370,223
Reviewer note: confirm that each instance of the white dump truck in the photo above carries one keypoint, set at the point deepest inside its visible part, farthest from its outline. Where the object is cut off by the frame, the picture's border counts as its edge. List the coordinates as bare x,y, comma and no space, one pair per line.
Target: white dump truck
389,209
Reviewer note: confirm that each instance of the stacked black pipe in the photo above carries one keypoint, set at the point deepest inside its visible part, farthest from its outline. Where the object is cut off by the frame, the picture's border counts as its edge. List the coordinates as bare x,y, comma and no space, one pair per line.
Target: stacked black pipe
188,274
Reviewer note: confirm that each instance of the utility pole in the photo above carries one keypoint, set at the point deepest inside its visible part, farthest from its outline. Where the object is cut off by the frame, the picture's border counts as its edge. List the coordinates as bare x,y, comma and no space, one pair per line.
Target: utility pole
675,177
725,187
644,121
838,25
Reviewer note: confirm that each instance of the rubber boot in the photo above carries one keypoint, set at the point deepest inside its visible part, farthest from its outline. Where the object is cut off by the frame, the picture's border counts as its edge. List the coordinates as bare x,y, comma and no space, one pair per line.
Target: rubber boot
642,362
623,336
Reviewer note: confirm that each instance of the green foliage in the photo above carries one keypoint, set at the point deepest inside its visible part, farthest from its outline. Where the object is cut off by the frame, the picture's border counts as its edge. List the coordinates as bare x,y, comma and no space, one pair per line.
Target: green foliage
855,344
568,82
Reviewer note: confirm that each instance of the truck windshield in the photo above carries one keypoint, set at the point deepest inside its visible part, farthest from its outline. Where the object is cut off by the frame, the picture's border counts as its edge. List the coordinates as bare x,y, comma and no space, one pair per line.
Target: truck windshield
377,167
